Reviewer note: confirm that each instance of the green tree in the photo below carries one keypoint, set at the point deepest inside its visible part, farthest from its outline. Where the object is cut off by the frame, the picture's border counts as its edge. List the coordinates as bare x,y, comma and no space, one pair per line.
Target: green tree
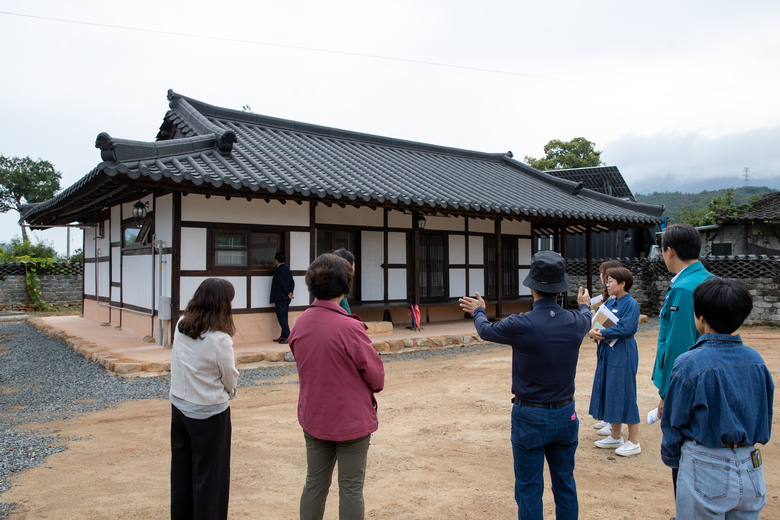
24,181
18,247
693,216
561,155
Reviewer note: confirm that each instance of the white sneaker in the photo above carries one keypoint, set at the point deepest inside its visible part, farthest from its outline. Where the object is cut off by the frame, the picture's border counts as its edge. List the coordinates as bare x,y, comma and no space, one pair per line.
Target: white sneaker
606,430
610,442
628,449
600,425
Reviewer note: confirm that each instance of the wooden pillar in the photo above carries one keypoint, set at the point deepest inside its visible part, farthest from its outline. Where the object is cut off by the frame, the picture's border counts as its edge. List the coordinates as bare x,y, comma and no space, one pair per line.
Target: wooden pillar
556,239
466,229
175,264
385,271
415,260
313,238
589,258
565,297
499,270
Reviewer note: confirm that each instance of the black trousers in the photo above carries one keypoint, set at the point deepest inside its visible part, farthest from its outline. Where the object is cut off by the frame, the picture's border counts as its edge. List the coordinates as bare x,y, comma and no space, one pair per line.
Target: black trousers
281,315
200,466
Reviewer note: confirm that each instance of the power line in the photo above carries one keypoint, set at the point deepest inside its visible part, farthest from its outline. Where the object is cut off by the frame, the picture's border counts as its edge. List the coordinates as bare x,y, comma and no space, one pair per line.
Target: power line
378,57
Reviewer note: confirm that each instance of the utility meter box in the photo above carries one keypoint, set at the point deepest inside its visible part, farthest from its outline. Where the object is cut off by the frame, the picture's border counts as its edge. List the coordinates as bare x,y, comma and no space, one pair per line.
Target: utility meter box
164,308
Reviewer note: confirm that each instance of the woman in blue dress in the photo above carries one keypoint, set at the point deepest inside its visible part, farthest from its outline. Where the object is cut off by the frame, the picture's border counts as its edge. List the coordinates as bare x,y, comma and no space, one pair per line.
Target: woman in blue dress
613,398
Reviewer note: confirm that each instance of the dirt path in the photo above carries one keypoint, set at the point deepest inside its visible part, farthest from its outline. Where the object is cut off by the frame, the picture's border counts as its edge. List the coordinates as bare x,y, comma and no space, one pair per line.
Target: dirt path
442,451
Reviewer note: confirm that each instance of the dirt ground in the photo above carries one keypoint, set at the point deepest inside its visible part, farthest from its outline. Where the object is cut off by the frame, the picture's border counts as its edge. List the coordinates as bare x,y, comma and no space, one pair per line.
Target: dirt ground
442,451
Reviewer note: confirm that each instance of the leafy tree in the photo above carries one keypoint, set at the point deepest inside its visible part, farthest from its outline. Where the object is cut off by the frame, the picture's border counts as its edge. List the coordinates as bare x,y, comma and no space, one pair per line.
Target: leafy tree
561,155
24,181
676,202
41,249
693,216
77,256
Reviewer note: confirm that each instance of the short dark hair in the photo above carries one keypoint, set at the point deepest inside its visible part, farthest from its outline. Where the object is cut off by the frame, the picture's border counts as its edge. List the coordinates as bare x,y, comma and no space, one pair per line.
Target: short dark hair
723,303
209,309
684,239
620,275
279,257
346,255
329,276
603,268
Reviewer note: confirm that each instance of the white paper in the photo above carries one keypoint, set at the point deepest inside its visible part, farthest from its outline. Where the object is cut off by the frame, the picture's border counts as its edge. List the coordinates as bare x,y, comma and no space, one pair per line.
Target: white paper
652,415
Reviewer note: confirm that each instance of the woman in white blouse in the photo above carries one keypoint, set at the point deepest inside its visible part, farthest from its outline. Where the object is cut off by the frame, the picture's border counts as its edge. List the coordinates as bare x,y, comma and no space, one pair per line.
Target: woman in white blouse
203,379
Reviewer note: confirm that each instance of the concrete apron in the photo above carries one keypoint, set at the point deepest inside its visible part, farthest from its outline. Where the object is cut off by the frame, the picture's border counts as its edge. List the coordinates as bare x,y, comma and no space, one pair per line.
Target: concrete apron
126,353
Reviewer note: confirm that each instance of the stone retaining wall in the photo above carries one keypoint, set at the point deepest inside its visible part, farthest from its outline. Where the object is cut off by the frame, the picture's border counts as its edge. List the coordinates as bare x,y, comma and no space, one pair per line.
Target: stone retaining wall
651,282
58,290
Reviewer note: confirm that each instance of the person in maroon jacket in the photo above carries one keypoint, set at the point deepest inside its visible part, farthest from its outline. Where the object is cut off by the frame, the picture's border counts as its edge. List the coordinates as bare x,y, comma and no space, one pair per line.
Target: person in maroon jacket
339,372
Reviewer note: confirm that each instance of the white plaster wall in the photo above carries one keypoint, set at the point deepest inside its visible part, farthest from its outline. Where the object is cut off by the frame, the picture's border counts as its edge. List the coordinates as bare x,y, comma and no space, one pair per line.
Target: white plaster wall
349,216
299,251
116,224
137,280
193,249
103,244
190,283
478,225
89,279
116,294
396,248
127,207
524,251
398,219
524,291
301,291
261,291
242,211
396,282
163,220
457,283
89,241
167,276
516,227
476,281
372,254
116,264
476,250
445,223
104,283
457,249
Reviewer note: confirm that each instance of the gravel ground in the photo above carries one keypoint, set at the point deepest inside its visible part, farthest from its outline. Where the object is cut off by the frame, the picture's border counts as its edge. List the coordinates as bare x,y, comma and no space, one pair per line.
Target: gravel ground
42,380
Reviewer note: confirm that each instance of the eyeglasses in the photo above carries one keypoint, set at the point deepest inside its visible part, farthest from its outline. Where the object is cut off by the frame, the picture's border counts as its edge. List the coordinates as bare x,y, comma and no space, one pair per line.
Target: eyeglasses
610,281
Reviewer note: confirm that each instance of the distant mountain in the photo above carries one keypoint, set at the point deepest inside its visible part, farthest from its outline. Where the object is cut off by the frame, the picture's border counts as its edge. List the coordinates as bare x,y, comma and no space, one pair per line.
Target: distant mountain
676,201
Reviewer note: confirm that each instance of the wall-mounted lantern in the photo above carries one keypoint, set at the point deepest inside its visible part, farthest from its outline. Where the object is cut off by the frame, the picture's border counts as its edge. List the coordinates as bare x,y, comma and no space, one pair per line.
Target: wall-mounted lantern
139,211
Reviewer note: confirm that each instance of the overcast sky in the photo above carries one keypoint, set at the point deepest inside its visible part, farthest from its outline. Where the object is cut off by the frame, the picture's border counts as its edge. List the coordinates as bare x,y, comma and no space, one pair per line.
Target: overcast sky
678,95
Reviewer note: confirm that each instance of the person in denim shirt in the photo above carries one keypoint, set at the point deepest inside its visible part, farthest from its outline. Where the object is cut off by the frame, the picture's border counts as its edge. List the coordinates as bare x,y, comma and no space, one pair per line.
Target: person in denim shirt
545,349
719,404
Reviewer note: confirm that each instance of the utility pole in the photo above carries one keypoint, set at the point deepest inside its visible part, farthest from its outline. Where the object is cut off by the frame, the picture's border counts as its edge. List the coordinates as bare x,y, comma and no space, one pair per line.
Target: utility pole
746,176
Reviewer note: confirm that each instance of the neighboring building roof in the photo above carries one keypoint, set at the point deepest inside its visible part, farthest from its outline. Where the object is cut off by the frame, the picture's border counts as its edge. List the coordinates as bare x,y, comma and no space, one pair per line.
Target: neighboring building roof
767,208
207,149
603,179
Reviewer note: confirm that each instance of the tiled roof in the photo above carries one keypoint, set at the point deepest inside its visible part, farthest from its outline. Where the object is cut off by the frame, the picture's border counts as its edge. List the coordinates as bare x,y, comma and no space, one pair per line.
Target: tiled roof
603,179
767,208
225,152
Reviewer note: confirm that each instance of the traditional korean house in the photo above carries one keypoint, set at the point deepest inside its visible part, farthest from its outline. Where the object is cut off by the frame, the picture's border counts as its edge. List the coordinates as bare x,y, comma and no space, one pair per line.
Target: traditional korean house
221,191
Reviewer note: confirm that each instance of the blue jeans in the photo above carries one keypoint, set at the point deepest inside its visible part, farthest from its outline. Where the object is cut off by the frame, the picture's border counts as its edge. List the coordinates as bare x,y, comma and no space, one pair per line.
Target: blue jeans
719,483
538,433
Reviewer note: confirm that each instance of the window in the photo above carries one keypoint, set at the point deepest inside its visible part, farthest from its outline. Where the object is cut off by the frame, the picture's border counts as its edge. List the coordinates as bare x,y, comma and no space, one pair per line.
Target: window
330,240
254,250
136,233
230,250
721,249
264,247
510,285
433,282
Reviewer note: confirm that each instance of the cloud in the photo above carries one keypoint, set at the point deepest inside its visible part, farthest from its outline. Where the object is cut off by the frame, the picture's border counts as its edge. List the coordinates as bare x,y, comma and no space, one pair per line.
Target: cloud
692,162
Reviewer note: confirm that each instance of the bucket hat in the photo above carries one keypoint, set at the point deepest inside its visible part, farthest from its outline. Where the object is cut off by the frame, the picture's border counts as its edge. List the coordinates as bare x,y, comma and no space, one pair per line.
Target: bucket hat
547,273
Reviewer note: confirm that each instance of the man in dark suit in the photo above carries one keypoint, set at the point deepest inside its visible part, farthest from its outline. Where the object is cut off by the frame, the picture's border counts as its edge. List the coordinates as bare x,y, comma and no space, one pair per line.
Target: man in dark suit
282,287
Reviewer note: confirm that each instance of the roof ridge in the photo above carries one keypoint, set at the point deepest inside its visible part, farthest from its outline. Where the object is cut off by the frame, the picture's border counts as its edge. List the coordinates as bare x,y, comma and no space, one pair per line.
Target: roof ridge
196,112
128,150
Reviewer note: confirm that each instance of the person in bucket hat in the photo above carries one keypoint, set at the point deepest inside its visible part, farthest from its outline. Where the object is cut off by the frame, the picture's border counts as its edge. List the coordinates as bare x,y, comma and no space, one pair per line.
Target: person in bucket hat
545,348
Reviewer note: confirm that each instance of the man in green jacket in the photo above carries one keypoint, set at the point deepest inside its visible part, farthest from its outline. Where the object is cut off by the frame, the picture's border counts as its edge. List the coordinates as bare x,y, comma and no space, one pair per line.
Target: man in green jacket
681,244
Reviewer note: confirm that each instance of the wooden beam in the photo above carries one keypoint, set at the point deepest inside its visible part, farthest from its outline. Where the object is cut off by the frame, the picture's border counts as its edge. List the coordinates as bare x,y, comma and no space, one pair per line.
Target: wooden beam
499,270
589,258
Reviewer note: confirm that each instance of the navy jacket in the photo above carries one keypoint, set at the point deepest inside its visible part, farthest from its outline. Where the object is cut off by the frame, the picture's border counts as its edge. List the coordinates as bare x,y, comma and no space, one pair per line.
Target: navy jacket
545,348
282,284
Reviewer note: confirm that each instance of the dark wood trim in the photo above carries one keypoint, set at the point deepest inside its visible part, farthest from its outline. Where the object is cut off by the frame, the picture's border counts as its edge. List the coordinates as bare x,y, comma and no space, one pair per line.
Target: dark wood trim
125,221
127,307
99,259
312,238
499,270
137,251
385,257
589,258
229,226
396,266
533,241
114,244
467,265
565,294
117,284
176,263
415,281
